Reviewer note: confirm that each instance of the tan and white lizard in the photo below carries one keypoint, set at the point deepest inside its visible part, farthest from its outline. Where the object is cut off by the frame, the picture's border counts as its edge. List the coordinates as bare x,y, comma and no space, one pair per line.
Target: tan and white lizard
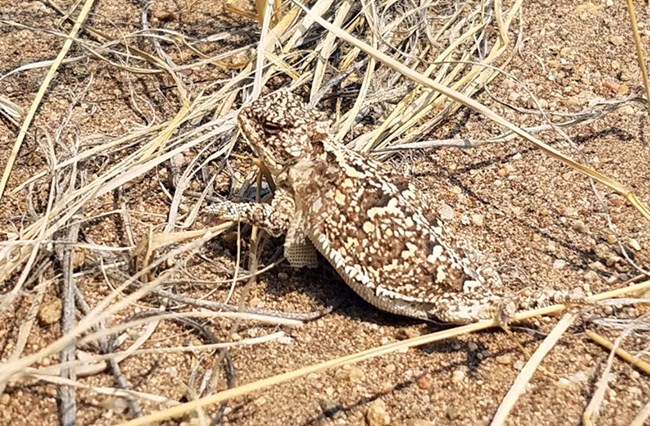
370,226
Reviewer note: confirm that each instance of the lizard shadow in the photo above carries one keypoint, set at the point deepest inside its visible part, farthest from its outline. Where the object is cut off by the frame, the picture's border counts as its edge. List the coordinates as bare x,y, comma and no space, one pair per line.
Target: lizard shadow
326,286
328,291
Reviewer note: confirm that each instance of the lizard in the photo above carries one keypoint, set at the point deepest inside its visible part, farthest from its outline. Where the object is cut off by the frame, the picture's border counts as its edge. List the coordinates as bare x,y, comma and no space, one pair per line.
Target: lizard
373,227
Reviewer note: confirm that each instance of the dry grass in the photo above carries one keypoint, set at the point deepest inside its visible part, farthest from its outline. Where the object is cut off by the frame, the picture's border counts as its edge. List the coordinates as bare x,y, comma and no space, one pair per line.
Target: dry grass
359,52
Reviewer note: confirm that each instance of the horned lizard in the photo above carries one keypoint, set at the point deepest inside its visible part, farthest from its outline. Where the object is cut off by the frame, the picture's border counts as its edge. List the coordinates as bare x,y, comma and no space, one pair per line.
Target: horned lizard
372,227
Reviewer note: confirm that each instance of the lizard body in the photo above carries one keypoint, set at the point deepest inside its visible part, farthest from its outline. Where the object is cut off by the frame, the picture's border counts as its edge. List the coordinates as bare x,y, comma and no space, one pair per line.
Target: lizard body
371,226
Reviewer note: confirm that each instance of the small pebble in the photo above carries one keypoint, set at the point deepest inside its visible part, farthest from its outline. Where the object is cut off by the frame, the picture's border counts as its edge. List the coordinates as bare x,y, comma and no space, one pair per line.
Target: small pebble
597,266
330,407
285,340
351,374
4,399
506,170
634,244
387,387
580,226
356,375
164,15
568,176
179,160
390,368
376,414
116,405
457,376
477,219
342,375
283,276
569,212
559,264
504,359
425,381
78,258
611,85
617,40
452,413
50,312
407,333
472,347
626,110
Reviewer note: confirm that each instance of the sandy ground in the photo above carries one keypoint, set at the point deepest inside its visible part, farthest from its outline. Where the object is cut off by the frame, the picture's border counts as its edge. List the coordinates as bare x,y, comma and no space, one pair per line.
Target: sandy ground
542,224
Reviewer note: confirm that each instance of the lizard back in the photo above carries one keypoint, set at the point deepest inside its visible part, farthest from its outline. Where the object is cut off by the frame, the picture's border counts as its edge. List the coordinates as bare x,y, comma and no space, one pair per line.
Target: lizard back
368,223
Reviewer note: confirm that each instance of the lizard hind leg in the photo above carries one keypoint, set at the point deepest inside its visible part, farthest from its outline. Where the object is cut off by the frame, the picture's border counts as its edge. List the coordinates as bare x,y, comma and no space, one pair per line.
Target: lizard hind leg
274,218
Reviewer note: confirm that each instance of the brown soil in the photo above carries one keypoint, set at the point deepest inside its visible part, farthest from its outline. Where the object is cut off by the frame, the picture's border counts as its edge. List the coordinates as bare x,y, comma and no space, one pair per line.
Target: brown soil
542,223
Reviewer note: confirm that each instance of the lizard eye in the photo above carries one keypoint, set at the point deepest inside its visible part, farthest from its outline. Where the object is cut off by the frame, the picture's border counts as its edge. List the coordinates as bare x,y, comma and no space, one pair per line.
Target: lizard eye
271,128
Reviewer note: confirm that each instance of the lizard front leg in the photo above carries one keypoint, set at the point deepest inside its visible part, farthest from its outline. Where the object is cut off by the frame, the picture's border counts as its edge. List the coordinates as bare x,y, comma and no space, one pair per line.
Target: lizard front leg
274,218
278,218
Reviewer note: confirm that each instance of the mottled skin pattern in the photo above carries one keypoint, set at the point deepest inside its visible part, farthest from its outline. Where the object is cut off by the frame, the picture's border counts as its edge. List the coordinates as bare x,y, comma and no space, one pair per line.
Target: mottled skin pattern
369,225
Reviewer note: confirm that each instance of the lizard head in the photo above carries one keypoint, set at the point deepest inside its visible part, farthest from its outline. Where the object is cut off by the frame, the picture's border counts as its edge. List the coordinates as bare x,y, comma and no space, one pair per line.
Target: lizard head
281,129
